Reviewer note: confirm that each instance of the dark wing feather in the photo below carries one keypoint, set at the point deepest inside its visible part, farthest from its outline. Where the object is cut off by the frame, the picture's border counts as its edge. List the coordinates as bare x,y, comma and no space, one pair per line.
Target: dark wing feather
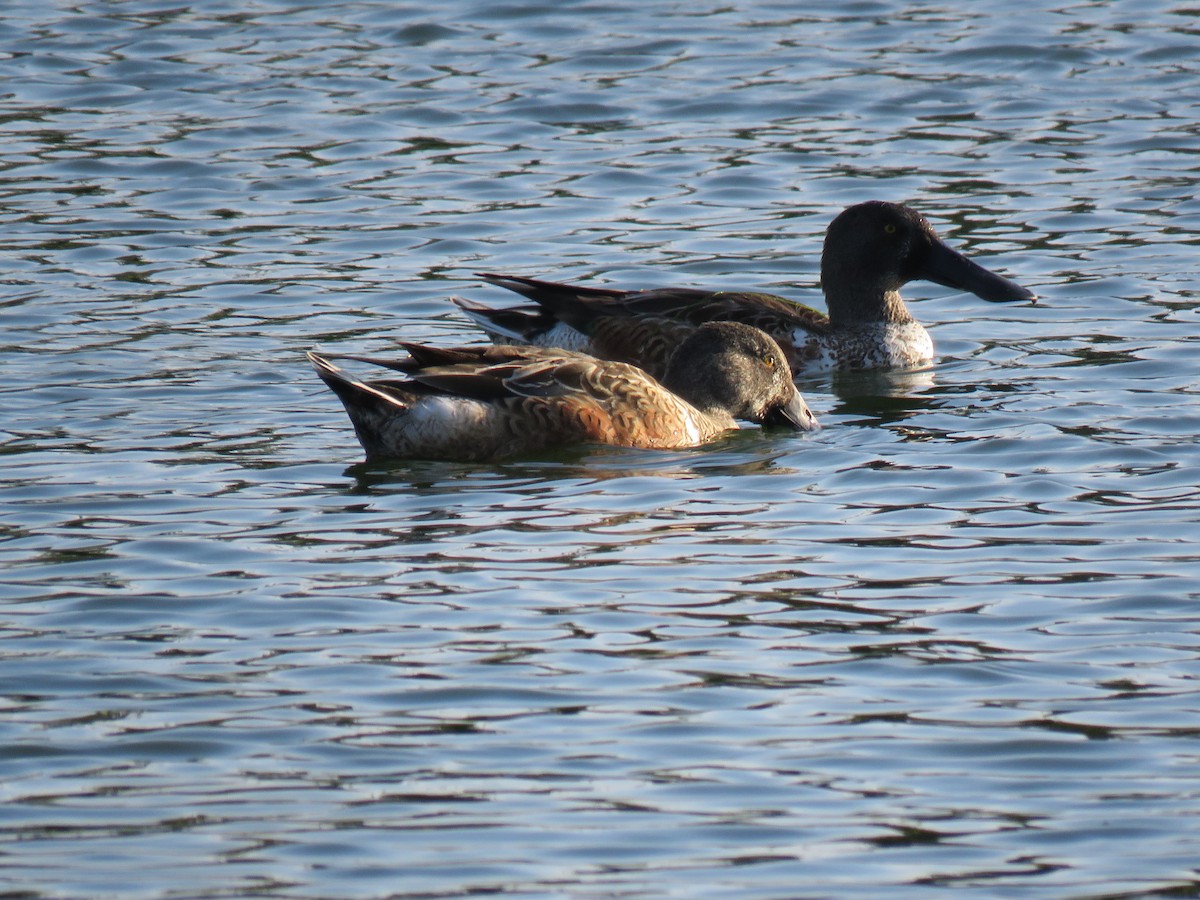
463,381
514,321
581,307
423,356
765,311
505,372
540,291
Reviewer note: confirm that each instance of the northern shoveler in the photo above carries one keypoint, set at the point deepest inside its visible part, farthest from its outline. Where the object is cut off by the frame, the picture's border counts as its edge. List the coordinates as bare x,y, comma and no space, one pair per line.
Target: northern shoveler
491,402
871,250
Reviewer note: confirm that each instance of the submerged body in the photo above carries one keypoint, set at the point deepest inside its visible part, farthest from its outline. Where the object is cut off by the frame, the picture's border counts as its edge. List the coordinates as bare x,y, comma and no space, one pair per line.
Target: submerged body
483,403
871,250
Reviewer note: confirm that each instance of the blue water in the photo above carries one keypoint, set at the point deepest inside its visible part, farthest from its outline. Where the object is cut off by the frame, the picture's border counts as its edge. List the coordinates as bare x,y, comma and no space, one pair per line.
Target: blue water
948,646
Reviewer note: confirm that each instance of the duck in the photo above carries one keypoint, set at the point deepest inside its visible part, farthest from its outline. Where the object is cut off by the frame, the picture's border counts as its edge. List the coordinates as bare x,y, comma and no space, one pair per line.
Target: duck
871,250
485,402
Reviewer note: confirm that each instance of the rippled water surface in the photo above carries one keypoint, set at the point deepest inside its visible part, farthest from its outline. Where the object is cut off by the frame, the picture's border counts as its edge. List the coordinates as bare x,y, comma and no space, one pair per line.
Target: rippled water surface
948,646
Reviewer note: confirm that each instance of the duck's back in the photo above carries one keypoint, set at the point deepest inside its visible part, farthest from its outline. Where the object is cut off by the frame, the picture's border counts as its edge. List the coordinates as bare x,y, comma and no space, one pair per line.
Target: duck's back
643,326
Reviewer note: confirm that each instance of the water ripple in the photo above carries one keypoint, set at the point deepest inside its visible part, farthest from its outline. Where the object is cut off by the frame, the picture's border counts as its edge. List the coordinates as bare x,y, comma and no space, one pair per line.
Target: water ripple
948,644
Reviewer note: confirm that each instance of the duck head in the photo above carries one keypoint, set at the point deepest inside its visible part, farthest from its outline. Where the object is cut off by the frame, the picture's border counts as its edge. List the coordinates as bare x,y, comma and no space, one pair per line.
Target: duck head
738,370
872,249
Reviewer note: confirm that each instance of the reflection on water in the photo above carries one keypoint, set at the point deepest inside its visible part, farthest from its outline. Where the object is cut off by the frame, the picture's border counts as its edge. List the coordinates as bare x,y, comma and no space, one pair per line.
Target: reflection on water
948,644
883,397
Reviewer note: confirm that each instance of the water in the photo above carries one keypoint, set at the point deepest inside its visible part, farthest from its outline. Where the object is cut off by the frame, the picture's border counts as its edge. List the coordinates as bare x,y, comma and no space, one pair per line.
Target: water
946,647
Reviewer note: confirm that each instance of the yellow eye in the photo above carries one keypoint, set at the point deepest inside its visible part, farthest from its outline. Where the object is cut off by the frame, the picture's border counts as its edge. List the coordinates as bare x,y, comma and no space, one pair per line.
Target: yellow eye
769,361
889,228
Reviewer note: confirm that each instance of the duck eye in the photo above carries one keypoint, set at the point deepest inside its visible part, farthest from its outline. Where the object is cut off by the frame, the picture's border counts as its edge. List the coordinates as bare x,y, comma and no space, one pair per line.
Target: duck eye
889,228
769,362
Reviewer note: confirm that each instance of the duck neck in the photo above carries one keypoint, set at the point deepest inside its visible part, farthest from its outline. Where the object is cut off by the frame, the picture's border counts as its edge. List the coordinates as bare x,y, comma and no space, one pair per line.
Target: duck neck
698,393
854,309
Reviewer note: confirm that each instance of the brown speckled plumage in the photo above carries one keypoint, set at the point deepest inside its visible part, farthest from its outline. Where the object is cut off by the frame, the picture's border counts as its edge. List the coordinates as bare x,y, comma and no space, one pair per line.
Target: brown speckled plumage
871,250
481,403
